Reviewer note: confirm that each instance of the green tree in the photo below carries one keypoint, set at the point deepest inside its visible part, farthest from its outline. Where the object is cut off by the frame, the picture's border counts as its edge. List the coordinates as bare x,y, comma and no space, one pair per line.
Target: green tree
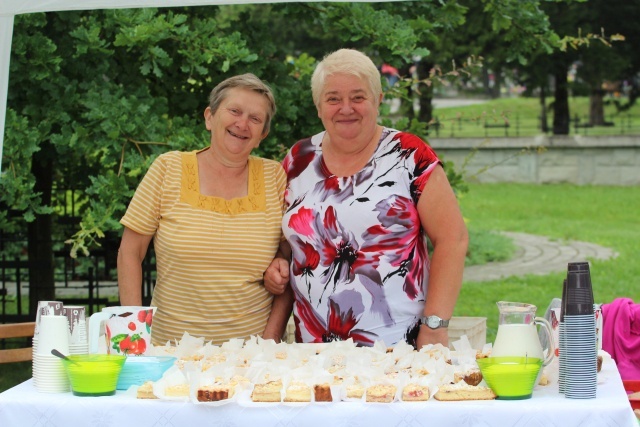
95,96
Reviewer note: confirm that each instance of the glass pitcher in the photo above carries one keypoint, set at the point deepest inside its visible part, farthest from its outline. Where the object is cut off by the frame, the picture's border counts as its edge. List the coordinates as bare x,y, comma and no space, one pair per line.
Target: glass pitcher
517,333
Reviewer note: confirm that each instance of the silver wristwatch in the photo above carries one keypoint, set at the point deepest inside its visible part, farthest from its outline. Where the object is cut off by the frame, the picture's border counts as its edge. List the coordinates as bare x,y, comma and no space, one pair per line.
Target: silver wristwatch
434,322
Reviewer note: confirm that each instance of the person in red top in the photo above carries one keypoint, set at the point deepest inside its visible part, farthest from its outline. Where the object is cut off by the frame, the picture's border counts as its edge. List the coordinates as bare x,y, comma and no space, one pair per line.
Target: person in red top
360,199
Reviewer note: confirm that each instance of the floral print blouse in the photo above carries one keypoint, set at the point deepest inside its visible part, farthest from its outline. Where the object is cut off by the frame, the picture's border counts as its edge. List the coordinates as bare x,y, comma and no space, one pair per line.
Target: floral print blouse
359,256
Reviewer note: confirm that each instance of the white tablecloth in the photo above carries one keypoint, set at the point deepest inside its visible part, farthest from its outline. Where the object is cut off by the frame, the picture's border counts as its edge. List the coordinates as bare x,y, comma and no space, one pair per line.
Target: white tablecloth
23,405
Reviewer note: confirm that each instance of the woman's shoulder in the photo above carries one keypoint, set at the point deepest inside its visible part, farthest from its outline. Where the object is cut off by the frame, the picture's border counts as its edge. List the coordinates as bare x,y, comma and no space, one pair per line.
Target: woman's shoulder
267,164
402,136
406,139
170,156
269,167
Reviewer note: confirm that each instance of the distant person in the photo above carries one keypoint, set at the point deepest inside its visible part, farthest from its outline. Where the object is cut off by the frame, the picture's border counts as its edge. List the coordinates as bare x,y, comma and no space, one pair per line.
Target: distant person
360,198
215,216
390,73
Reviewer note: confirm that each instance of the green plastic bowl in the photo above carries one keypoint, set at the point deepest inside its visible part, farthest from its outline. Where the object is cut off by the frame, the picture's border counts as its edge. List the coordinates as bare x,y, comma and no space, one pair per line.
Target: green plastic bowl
94,374
510,378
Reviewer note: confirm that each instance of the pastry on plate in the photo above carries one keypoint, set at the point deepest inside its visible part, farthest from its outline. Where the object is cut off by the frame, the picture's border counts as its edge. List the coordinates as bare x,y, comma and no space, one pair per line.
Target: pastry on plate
382,393
415,393
464,391
214,393
471,377
145,391
178,390
267,392
297,392
355,391
322,393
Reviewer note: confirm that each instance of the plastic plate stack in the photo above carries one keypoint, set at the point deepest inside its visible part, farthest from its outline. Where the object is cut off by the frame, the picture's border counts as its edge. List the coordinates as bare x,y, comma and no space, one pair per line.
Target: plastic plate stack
138,369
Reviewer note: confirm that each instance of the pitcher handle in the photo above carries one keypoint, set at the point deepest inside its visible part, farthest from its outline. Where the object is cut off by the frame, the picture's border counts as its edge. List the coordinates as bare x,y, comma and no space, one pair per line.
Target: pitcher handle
95,324
552,345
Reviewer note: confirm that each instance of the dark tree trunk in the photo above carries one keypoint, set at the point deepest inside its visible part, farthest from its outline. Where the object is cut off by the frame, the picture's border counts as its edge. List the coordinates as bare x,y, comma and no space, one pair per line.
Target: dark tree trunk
561,115
544,126
497,83
426,93
41,277
407,104
486,81
596,107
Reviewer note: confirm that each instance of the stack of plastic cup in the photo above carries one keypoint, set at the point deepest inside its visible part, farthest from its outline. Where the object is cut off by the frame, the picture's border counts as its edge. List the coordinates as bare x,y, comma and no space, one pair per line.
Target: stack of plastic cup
45,308
579,341
78,340
49,375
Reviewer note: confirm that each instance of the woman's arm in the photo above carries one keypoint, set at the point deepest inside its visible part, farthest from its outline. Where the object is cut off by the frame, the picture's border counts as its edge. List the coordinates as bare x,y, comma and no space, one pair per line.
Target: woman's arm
443,222
280,313
133,249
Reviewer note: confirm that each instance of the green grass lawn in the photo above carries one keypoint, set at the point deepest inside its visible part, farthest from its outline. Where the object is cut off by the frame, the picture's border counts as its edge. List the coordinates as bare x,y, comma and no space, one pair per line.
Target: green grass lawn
606,216
523,114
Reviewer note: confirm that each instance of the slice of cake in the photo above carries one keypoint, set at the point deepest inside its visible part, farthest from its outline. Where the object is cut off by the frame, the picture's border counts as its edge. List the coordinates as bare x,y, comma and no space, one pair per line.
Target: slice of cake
464,391
297,392
214,393
383,393
415,393
322,393
178,390
145,391
240,380
355,391
267,392
471,377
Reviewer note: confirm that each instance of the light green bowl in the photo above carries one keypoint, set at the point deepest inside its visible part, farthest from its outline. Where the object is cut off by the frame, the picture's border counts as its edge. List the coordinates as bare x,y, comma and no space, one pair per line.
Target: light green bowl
510,377
94,374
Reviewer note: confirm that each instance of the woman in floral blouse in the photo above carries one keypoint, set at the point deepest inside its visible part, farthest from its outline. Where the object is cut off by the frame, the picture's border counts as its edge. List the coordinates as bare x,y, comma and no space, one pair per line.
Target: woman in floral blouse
360,199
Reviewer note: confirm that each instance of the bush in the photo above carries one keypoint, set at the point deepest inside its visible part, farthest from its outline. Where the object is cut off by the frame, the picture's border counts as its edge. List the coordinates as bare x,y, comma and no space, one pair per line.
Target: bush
488,246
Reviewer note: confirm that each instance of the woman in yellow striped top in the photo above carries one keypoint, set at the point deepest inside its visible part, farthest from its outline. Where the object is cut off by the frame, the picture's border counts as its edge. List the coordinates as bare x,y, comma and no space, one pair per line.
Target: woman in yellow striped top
215,217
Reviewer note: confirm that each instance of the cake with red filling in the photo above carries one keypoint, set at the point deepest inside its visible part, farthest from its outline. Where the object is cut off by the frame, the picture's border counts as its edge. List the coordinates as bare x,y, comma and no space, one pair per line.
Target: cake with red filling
382,393
415,393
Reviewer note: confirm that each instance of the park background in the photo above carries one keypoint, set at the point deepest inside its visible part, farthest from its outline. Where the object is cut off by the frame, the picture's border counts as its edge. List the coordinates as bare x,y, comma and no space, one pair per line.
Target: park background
95,96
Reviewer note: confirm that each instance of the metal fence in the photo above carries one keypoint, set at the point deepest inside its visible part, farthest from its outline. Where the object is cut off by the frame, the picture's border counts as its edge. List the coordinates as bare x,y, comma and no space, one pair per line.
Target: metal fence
461,127
82,280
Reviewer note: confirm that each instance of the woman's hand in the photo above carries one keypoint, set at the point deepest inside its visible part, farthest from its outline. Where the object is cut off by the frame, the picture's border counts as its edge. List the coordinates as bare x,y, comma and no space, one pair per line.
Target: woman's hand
276,277
432,336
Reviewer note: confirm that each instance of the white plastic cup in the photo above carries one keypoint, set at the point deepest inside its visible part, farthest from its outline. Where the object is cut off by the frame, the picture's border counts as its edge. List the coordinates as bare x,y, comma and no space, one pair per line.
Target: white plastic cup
47,308
76,316
54,334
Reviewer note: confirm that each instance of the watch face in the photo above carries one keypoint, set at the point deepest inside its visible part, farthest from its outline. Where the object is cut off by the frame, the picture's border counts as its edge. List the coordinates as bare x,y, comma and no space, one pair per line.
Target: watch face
433,321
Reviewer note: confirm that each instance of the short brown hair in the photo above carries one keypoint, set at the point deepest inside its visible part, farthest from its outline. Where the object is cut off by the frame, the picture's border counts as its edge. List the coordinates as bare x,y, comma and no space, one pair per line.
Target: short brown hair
244,81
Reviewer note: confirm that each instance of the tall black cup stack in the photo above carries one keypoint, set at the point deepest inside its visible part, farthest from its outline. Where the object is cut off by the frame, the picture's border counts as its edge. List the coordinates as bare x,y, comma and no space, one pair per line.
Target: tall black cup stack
577,333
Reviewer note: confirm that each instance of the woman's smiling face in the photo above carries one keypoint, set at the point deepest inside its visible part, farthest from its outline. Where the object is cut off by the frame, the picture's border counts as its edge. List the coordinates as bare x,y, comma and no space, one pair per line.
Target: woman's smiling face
237,127
347,107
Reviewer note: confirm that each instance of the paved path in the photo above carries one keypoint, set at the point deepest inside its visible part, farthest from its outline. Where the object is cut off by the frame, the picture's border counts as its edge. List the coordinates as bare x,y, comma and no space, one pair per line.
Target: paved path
537,255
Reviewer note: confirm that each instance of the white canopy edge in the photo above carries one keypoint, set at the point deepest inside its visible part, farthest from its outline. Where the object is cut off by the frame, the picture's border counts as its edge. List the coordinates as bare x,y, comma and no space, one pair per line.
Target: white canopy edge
10,8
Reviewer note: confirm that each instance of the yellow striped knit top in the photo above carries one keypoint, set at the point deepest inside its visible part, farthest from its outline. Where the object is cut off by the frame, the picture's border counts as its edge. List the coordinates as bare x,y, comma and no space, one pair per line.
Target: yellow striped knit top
210,252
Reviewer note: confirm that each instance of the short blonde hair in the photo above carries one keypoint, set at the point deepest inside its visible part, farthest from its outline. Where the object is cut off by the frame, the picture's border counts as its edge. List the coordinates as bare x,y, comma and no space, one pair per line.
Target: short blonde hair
244,81
345,61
